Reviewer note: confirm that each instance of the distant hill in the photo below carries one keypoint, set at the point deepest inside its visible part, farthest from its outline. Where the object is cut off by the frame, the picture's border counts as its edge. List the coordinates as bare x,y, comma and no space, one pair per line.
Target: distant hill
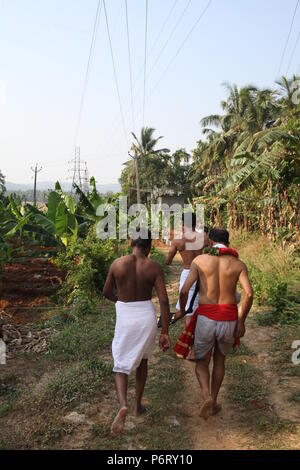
66,186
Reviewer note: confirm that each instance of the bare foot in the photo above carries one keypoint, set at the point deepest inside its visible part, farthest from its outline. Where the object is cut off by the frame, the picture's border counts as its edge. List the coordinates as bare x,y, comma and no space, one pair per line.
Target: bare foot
191,355
118,424
206,409
139,410
215,410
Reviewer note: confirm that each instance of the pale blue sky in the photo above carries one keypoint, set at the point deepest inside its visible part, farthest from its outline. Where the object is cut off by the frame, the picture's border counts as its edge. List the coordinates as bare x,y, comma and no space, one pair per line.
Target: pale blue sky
44,46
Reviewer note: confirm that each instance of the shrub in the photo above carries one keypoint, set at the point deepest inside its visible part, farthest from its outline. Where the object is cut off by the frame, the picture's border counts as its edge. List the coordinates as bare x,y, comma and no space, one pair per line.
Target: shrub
159,257
85,266
274,274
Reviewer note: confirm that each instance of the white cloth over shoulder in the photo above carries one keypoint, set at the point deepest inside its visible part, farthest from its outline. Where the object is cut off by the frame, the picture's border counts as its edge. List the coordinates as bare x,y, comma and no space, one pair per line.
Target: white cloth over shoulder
135,332
183,278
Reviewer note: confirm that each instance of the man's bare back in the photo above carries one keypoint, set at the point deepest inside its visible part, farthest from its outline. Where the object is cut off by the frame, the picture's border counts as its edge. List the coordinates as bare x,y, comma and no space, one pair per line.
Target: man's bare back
135,277
180,246
218,276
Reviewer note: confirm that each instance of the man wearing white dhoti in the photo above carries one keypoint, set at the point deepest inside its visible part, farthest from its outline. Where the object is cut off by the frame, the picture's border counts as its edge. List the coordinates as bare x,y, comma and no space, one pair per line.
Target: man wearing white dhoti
134,277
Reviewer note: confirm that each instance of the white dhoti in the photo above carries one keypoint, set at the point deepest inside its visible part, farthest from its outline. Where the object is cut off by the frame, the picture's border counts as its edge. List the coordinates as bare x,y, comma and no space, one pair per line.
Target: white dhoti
135,334
192,306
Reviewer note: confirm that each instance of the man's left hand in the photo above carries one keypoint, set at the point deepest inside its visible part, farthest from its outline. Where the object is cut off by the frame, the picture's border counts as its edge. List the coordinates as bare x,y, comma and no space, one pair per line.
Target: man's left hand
241,329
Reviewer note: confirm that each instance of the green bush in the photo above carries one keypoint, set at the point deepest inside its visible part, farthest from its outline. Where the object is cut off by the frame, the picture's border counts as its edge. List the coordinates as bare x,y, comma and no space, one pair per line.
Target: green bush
274,274
273,289
85,266
159,257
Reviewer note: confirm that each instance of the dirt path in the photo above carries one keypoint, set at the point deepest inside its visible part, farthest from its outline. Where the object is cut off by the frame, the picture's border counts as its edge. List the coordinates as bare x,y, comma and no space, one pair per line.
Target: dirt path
224,431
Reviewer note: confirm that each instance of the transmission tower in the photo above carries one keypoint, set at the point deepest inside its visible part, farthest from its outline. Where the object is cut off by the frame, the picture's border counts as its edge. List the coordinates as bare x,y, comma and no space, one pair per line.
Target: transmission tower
79,171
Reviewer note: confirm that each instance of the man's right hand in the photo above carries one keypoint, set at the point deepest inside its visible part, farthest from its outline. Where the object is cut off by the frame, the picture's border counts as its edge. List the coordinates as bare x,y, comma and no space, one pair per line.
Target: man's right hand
164,342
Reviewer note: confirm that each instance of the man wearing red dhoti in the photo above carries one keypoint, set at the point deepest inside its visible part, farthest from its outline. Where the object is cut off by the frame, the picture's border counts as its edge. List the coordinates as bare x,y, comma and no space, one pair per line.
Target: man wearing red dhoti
215,326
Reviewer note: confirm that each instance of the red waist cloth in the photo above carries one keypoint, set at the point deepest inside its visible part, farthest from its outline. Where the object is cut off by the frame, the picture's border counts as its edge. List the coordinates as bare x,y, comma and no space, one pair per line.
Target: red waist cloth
217,312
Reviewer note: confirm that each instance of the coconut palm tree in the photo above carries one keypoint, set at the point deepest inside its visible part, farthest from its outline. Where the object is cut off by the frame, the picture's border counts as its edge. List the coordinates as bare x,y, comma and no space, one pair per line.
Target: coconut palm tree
141,148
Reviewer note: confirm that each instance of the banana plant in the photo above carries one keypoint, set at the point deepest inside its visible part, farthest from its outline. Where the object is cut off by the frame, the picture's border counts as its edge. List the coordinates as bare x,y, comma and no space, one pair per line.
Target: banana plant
60,221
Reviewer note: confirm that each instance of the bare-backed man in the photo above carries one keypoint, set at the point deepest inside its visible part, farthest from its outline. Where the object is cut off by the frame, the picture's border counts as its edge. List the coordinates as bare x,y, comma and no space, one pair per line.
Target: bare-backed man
134,277
189,246
218,325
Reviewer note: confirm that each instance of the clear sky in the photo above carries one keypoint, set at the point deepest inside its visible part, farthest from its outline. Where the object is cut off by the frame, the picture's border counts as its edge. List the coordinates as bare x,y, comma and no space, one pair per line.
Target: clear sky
44,47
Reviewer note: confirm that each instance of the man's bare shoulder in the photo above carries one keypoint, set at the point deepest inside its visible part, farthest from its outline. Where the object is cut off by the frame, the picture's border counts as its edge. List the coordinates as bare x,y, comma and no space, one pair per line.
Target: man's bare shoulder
154,265
242,265
203,258
122,260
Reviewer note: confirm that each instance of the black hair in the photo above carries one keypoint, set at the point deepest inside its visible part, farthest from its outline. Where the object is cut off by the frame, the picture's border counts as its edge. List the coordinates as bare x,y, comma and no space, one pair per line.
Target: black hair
206,229
189,219
141,241
219,235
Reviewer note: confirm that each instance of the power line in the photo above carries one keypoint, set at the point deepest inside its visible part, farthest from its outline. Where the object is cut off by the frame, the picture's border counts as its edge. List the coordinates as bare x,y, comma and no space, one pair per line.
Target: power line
115,72
163,26
288,38
181,47
149,55
293,53
178,52
130,66
170,36
92,46
161,51
145,61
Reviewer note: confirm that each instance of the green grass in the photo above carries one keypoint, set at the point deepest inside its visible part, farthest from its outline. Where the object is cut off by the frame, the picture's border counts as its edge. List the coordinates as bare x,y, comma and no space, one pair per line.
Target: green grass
243,350
77,383
85,337
295,397
245,384
8,394
248,390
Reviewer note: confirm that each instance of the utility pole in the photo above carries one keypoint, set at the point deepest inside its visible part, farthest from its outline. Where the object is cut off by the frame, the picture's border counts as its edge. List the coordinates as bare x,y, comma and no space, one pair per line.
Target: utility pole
138,192
86,180
35,170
